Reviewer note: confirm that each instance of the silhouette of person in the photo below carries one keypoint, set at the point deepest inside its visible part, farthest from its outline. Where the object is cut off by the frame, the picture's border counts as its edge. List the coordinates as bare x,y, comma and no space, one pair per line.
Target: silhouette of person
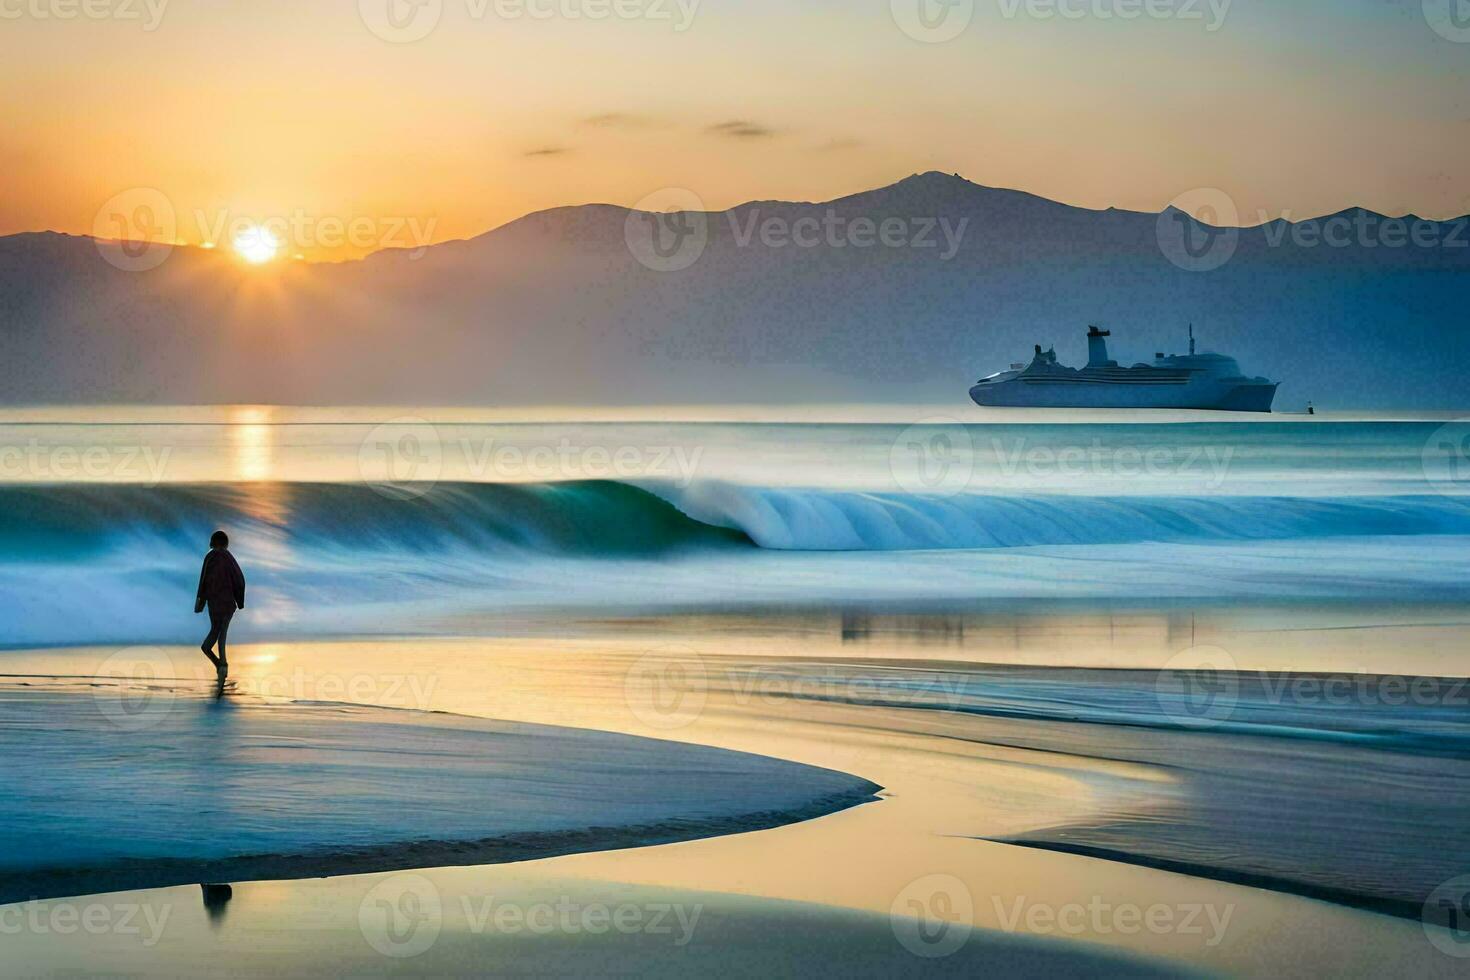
222,589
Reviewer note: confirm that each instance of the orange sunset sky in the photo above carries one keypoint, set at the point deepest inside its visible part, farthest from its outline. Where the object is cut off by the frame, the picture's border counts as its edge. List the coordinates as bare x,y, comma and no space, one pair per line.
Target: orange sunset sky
302,112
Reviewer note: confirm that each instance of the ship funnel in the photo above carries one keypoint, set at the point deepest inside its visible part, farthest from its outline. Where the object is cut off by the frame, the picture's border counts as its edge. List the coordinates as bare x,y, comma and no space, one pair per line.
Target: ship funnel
1097,348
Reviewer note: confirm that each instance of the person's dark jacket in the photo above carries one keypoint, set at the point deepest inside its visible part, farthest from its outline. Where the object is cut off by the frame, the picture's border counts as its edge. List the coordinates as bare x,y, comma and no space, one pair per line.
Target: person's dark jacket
221,583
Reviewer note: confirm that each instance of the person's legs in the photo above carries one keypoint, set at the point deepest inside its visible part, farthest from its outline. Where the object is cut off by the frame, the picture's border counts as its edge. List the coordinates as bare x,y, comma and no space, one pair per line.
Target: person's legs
219,628
209,641
224,629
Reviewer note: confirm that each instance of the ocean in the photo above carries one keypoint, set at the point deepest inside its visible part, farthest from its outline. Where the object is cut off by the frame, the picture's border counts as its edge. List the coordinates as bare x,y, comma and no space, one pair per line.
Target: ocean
362,522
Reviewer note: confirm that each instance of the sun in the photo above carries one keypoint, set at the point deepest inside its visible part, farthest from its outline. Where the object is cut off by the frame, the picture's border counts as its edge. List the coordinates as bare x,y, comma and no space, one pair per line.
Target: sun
257,244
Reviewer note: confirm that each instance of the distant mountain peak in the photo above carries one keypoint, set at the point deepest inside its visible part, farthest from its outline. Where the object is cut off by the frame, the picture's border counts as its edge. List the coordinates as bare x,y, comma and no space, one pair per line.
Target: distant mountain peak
936,177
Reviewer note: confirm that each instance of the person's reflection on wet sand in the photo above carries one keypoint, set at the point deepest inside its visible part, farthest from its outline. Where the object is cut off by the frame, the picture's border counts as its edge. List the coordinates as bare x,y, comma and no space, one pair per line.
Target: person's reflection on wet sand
216,898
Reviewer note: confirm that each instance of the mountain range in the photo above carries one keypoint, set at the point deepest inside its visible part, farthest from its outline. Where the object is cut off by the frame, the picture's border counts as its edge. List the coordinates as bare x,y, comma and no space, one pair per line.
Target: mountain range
905,293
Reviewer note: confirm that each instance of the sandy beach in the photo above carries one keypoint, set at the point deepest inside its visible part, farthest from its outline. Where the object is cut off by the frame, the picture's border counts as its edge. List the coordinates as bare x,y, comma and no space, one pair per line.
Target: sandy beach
926,877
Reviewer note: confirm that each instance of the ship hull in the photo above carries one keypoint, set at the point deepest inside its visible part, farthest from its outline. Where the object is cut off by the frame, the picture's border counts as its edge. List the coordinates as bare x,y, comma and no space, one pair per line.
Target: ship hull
1202,394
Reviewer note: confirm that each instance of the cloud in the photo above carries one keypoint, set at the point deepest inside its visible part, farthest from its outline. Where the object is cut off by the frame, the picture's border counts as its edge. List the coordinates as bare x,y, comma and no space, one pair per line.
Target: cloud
618,120
548,151
741,129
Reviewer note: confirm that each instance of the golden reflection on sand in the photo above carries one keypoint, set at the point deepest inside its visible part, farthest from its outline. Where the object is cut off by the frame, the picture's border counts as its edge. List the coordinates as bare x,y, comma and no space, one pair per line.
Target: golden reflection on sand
943,787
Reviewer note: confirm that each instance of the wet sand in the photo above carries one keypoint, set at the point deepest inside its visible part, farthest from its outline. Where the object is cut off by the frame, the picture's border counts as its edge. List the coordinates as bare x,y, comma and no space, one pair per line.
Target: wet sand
955,786
137,785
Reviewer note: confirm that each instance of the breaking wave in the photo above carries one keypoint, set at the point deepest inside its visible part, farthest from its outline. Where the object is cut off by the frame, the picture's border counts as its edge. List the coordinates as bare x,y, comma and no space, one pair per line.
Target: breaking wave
103,563
52,524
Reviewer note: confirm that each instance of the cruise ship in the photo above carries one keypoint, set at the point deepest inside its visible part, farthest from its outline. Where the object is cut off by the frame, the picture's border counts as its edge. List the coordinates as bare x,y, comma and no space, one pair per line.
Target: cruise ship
1193,380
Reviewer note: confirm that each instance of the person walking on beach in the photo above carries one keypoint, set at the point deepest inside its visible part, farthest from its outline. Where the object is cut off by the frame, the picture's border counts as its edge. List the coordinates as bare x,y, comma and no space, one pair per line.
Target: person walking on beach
222,589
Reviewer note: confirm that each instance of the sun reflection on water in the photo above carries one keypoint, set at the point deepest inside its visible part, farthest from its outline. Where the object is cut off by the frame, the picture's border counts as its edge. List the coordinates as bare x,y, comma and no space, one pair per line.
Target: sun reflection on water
252,443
